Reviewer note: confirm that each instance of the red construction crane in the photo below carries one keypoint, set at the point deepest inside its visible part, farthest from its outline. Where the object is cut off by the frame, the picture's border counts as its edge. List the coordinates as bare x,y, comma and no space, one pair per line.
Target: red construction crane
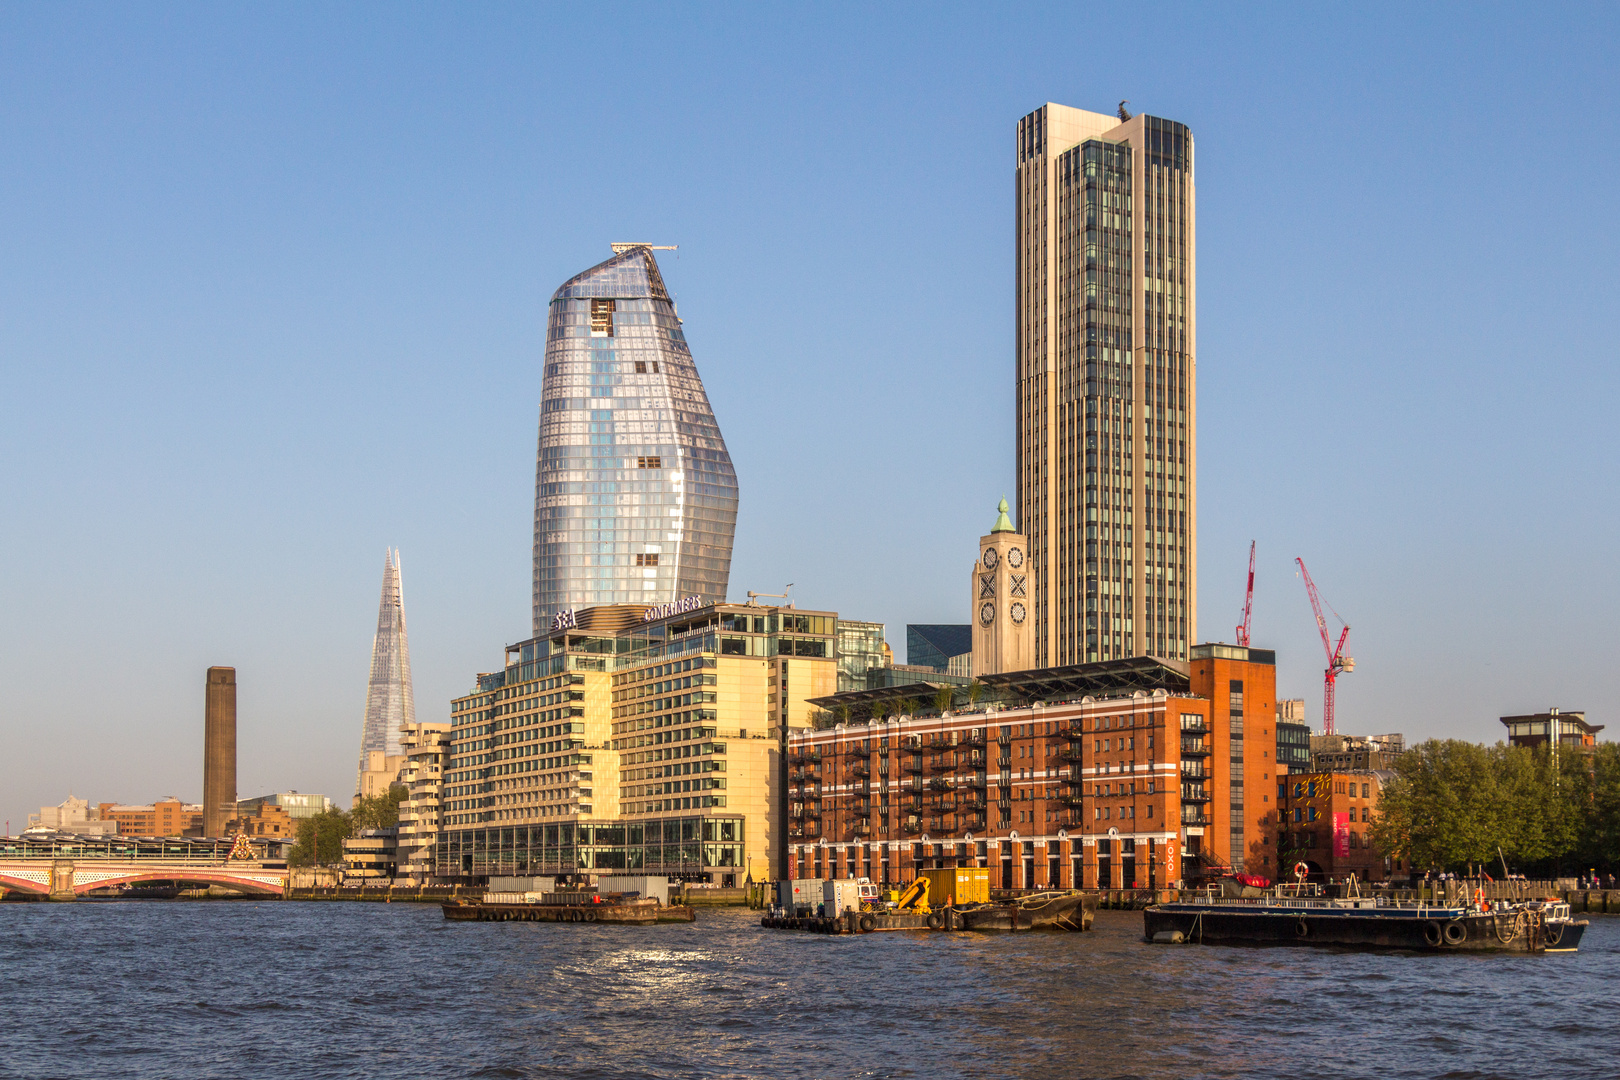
1336,660
1248,602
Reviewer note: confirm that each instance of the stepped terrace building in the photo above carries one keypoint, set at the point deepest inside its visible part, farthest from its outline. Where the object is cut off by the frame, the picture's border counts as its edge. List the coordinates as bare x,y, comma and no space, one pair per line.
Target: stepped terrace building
1116,775
635,738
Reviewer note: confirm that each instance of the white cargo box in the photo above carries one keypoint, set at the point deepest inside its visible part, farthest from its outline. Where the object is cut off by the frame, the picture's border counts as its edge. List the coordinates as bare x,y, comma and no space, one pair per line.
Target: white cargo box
656,888
840,895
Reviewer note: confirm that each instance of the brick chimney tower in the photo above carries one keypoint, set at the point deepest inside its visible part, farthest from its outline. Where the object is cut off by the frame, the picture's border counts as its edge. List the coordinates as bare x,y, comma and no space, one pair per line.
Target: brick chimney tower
219,751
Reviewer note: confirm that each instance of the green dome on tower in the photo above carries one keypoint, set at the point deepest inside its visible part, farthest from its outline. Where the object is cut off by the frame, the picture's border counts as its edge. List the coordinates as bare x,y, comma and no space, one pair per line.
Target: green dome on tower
1003,522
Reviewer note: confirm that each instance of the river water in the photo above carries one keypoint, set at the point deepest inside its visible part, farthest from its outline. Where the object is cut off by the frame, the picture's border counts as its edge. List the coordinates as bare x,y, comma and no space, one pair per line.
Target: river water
316,990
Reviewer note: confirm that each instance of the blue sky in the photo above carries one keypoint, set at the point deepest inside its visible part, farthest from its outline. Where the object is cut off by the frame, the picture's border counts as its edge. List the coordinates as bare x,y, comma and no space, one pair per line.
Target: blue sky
272,290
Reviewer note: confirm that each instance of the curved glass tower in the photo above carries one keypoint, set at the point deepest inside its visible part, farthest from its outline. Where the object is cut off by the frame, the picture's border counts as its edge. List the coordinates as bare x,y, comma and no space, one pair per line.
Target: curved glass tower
635,497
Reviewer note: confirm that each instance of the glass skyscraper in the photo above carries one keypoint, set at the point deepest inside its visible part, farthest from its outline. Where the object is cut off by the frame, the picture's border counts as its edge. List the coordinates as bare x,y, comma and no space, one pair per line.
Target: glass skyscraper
1107,371
635,497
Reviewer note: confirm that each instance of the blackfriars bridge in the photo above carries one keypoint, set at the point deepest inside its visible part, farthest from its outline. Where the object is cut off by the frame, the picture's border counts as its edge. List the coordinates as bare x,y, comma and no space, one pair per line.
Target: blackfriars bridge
62,866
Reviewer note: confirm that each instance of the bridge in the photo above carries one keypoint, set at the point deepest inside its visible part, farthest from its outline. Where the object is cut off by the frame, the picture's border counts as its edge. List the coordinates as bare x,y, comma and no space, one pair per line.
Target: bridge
62,866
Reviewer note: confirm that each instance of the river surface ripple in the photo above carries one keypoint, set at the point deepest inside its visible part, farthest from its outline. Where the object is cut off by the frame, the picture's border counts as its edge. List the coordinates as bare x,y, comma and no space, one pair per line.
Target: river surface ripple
318,990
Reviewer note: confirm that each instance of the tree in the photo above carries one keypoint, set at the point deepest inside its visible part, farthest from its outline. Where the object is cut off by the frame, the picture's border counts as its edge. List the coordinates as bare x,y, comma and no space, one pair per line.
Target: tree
975,691
942,699
377,811
320,839
1453,805
1440,812
905,706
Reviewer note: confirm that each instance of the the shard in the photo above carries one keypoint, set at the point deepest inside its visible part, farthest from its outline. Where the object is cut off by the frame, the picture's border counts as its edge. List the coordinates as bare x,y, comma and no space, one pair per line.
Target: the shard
635,497
389,701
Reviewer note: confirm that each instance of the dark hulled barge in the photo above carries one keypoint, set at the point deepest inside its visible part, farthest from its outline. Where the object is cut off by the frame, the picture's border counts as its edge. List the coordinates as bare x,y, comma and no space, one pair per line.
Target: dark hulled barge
1284,917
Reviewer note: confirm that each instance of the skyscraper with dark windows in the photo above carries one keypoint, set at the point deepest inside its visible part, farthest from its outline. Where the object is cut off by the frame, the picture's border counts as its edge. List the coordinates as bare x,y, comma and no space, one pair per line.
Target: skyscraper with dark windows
1106,362
635,496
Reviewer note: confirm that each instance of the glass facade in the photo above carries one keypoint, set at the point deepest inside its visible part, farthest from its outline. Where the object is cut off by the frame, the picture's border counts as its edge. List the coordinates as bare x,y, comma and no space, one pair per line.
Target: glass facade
861,648
932,645
681,847
1106,376
635,495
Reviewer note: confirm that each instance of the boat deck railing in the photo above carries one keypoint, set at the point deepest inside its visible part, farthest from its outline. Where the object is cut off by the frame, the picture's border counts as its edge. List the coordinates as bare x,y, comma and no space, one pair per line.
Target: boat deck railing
1378,904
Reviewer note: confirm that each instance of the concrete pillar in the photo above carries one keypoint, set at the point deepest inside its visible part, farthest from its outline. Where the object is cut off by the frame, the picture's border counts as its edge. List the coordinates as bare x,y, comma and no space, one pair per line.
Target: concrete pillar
219,750
61,879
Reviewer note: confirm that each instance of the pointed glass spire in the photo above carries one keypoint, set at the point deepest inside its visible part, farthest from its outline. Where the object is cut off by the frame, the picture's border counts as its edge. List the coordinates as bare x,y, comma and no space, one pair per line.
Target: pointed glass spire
390,702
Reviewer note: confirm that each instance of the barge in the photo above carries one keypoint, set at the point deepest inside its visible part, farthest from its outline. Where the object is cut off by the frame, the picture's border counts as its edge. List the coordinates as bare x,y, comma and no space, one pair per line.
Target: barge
853,907
1292,917
641,901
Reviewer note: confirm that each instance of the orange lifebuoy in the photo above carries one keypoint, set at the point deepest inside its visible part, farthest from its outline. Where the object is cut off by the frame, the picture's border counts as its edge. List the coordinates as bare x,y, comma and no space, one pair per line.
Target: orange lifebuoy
1301,871
1479,899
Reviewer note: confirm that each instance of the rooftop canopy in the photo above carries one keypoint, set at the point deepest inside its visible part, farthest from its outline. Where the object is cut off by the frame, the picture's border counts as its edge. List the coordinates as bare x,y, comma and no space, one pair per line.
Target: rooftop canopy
1104,679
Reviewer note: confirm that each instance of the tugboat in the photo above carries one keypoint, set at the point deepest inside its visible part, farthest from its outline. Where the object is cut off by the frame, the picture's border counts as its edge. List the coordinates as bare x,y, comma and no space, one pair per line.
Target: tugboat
1299,914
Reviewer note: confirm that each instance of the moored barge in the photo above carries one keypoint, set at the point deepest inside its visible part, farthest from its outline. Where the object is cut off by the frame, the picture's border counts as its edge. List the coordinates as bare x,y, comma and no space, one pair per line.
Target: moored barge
1288,918
643,903
852,906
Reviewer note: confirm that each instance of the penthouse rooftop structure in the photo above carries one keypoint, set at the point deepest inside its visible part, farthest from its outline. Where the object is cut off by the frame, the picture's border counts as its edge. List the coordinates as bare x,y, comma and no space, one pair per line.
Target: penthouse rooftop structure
1562,729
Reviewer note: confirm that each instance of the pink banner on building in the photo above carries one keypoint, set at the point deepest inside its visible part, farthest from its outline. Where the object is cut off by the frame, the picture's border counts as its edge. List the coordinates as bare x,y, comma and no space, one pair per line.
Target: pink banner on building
793,865
1341,836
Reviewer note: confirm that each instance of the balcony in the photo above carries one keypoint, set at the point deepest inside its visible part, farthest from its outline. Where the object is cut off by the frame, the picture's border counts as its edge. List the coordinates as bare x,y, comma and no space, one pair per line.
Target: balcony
861,770
863,830
913,765
802,812
978,782
1194,748
911,828
1193,770
938,783
1072,798
1193,816
942,763
1194,793
946,804
1073,755
974,740
972,803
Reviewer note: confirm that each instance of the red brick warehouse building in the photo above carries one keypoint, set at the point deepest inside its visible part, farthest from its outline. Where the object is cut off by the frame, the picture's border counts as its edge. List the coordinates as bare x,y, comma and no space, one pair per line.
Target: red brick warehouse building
1127,774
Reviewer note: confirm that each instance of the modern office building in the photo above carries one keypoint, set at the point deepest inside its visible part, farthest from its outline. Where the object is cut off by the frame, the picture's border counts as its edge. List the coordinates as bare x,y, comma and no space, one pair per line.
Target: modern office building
939,645
1106,383
636,738
635,497
390,701
298,805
